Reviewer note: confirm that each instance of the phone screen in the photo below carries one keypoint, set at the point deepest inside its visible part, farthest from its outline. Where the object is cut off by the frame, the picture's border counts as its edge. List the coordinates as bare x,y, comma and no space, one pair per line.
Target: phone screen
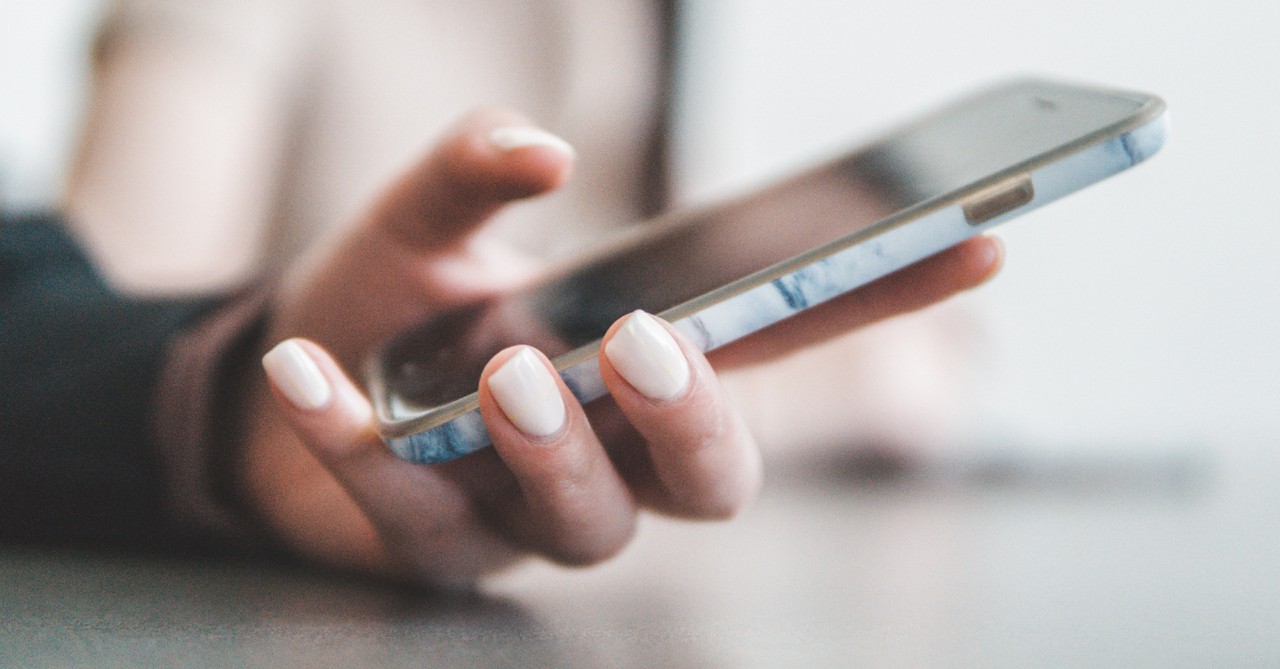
686,256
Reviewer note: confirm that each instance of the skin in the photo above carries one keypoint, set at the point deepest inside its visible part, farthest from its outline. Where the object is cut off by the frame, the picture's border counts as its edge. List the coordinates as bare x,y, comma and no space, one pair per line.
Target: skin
329,489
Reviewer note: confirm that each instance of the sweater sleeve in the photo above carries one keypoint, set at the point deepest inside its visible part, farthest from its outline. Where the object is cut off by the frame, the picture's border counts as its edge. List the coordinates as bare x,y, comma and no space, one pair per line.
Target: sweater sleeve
191,409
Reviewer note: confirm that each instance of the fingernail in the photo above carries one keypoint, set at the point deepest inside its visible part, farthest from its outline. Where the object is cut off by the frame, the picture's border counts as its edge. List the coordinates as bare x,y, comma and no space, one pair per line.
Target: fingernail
296,374
996,259
510,138
528,395
646,356
1000,249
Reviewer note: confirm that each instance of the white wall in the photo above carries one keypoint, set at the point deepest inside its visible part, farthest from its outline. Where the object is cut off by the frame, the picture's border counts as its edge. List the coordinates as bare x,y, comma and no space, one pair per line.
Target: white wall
1145,311
43,47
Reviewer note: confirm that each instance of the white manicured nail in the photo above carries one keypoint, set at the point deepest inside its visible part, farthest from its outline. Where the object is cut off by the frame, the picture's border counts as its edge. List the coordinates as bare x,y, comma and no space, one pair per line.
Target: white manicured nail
528,395
292,370
518,137
646,356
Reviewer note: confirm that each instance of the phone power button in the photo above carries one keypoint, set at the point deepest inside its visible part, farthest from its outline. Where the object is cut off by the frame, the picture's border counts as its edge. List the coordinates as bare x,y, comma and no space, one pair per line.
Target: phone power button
1001,198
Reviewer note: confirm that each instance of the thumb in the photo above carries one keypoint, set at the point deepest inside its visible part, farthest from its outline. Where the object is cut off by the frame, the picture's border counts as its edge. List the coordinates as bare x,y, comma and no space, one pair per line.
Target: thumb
488,159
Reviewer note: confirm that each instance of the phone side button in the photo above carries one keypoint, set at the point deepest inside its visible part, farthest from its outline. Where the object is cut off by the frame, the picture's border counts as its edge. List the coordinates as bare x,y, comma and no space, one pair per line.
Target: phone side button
1001,198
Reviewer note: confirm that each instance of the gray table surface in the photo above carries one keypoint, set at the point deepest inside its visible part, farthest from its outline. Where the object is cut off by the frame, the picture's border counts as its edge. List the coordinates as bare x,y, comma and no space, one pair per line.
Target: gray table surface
1072,562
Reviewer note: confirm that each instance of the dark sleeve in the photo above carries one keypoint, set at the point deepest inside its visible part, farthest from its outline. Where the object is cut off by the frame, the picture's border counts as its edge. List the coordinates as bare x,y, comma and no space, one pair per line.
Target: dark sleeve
79,365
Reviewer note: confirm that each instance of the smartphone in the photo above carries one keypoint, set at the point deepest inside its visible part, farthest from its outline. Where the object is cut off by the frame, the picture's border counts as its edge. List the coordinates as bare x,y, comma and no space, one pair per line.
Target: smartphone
721,272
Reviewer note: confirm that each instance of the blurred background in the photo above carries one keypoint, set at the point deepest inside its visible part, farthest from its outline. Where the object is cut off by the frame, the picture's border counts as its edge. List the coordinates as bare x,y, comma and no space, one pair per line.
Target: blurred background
44,51
1129,350
1140,314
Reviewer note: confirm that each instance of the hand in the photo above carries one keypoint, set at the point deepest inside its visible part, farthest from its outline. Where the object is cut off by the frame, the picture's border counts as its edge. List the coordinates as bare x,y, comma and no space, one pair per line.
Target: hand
552,485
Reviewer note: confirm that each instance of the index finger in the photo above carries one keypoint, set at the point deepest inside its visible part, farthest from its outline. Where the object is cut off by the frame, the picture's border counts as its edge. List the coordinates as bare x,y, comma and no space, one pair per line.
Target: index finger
490,158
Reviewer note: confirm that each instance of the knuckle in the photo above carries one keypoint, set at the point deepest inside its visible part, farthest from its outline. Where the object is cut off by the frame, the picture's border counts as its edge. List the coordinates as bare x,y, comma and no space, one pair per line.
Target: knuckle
722,493
585,552
720,505
576,513
717,473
